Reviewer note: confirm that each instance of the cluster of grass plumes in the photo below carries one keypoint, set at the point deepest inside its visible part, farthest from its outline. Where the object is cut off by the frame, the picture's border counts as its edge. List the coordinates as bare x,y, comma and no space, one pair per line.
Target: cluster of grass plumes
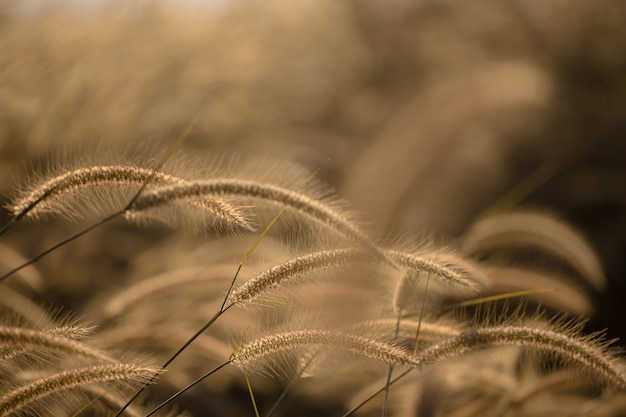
331,311
431,112
59,371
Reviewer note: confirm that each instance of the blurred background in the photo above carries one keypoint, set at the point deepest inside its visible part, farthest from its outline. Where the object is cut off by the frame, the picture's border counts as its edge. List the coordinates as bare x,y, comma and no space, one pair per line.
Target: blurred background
422,114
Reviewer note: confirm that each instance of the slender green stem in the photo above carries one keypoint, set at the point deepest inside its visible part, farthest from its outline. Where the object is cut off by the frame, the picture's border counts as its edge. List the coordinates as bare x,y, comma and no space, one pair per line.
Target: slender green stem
256,409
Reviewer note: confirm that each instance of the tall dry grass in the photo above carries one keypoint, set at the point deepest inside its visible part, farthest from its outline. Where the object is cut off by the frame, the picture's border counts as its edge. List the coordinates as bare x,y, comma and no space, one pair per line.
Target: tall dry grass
427,203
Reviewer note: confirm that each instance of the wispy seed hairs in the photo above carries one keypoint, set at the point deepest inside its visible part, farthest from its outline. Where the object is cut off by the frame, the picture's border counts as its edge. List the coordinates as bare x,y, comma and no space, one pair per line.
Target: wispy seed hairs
55,384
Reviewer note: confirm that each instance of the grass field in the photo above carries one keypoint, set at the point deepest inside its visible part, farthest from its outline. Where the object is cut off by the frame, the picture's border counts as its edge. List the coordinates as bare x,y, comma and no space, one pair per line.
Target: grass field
291,206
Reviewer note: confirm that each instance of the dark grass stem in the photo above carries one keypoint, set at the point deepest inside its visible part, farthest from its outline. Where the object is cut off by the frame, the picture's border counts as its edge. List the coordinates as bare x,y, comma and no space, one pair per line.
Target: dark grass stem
62,243
179,140
375,393
289,386
222,310
391,366
419,322
390,382
170,360
191,385
27,209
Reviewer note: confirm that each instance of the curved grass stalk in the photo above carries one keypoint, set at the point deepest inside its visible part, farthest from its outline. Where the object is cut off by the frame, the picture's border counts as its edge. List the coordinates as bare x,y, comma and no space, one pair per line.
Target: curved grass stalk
592,359
253,355
256,351
46,341
41,198
450,270
52,188
326,213
295,268
40,389
179,140
451,277
49,195
590,355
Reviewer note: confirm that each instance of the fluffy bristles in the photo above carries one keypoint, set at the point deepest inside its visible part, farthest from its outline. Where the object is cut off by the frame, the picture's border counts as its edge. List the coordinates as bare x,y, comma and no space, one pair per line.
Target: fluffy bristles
294,269
109,187
260,353
319,211
433,277
44,388
37,341
587,353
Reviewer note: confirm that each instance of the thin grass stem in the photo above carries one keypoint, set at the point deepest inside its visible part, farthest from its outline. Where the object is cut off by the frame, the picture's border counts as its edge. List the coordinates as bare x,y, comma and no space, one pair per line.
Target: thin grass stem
374,394
256,409
191,385
222,310
105,220
62,243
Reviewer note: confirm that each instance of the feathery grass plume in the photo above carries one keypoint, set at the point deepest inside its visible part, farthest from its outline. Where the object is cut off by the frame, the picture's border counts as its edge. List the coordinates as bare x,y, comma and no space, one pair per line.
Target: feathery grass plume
43,388
446,276
449,269
322,210
449,272
437,390
590,354
39,341
540,230
256,355
36,319
72,332
294,269
111,182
